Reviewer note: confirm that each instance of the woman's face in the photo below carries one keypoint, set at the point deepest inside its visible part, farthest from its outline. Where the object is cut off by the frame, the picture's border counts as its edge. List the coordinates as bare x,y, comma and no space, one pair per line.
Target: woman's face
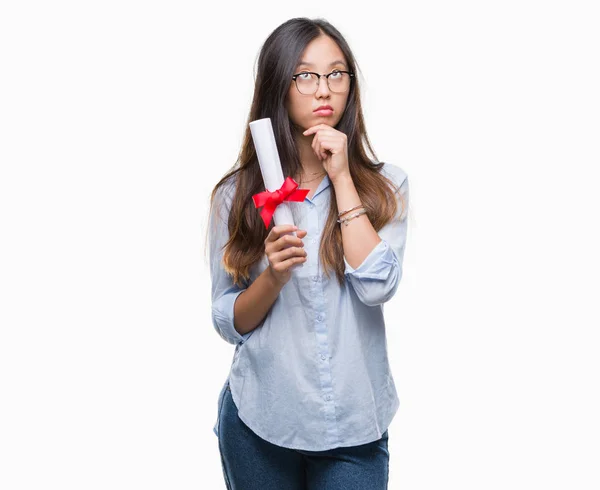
322,55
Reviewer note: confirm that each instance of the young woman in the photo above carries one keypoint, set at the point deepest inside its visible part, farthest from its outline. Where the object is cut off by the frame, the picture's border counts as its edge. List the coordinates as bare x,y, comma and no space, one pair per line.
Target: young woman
310,395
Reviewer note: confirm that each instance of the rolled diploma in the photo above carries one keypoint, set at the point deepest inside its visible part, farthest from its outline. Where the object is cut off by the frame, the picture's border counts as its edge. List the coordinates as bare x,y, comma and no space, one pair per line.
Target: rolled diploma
270,168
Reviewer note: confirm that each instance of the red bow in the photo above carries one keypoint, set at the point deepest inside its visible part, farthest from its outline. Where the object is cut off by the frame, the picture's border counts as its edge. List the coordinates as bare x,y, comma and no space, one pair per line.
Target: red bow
270,200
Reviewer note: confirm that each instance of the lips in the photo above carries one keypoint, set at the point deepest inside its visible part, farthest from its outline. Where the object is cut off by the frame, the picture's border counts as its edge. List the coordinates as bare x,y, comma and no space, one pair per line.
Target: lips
324,107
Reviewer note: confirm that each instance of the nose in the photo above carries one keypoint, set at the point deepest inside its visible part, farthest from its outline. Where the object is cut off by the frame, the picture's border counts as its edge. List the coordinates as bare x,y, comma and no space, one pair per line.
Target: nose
323,88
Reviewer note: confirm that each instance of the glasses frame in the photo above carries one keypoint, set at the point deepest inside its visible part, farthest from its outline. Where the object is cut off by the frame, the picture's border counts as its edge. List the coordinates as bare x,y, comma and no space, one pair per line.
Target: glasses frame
294,77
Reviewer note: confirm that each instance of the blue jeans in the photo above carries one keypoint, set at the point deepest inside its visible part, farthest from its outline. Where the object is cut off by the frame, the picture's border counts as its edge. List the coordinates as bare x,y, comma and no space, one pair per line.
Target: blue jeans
251,463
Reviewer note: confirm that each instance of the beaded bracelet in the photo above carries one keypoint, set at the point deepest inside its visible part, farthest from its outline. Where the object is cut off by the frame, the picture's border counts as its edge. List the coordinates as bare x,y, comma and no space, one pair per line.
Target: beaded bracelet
351,217
348,210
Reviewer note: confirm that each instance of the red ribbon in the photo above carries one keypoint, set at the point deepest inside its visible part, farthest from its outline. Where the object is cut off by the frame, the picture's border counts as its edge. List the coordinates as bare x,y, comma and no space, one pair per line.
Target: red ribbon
270,200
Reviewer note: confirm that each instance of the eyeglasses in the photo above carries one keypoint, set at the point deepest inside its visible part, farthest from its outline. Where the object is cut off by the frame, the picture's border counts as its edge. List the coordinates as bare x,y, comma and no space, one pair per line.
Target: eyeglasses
307,82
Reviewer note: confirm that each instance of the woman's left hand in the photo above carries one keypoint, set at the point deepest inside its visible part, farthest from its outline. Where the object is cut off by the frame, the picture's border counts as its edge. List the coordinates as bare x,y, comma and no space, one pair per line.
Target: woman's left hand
331,147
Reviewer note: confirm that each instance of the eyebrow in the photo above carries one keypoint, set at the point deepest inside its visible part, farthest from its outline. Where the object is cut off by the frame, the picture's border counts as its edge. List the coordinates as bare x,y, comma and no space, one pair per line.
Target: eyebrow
336,62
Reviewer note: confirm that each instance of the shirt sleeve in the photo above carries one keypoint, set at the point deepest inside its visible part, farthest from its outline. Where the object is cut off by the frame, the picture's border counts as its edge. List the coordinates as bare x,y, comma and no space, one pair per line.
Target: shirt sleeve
376,279
224,292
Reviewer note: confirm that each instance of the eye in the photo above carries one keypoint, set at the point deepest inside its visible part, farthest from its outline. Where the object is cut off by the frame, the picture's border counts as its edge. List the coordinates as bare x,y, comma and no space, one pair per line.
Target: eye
304,73
335,74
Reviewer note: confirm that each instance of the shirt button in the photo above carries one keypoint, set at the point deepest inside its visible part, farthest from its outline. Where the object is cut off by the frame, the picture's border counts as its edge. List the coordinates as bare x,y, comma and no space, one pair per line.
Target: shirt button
315,278
328,397
320,317
323,356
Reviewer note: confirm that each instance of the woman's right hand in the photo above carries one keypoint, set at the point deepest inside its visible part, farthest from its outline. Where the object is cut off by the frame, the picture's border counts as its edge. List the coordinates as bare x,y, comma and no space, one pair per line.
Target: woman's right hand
284,251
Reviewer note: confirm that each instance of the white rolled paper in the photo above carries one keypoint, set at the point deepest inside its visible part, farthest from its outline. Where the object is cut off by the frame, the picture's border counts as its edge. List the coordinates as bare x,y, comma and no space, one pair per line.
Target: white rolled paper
270,167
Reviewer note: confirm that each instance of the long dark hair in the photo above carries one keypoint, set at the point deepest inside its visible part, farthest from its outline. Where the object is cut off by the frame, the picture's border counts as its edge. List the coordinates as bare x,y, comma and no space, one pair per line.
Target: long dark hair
277,60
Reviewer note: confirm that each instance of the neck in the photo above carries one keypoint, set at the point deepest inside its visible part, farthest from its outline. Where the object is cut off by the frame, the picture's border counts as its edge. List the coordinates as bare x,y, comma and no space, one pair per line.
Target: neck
311,165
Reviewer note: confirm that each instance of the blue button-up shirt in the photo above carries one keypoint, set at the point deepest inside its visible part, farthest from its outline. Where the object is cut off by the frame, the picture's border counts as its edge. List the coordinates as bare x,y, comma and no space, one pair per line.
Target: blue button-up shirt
314,374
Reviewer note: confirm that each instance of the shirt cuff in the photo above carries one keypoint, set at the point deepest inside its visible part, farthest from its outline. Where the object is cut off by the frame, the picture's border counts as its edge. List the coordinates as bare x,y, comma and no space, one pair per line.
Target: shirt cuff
375,266
224,316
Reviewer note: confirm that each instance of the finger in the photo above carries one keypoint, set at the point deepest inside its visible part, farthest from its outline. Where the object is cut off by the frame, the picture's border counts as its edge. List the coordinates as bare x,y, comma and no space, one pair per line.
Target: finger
323,150
312,129
318,148
287,241
327,147
293,261
278,230
287,264
287,253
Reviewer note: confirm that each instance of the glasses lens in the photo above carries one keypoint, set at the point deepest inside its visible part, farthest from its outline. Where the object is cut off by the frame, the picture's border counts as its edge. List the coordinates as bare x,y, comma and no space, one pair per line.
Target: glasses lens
339,82
307,83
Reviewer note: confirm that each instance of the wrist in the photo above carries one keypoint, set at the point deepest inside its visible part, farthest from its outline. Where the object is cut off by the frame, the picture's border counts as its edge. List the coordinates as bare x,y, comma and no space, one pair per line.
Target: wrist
342,179
274,282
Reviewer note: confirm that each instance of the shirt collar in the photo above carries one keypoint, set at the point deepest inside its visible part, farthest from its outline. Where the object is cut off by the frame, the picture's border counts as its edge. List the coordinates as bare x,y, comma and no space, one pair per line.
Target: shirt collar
324,184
